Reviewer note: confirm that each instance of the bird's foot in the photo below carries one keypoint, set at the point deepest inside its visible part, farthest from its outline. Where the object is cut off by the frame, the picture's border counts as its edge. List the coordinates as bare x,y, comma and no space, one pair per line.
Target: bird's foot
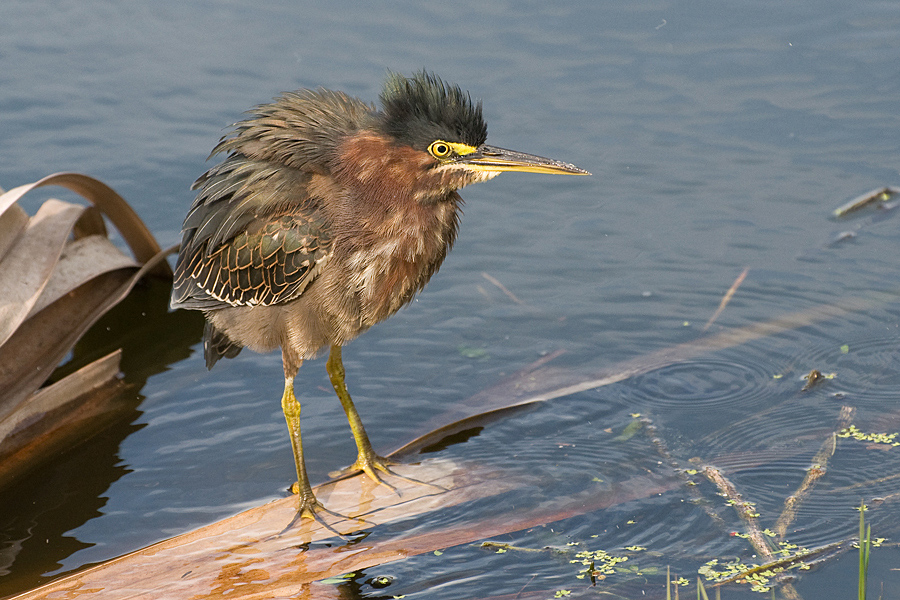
374,466
307,503
309,507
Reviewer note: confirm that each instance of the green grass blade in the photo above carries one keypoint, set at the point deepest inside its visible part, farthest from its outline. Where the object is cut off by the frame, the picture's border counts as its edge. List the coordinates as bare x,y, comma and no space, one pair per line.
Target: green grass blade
701,591
865,544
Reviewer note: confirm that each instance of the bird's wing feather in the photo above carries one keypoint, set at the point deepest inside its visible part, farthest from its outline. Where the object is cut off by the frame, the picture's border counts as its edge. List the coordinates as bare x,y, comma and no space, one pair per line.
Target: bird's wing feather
252,237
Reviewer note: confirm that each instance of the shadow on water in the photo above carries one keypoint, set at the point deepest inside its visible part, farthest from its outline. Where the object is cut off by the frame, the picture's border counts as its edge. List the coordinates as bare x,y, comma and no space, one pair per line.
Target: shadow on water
152,337
40,507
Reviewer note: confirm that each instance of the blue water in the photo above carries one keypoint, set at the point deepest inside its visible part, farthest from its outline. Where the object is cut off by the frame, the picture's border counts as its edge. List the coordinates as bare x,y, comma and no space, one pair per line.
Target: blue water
720,136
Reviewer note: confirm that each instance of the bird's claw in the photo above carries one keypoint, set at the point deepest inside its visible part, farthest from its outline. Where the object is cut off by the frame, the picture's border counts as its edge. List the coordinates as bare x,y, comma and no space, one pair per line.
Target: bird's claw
307,503
370,464
373,466
309,507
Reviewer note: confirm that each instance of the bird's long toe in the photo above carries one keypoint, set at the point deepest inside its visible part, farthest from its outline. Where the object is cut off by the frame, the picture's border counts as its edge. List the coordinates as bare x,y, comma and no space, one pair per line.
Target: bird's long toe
376,467
372,465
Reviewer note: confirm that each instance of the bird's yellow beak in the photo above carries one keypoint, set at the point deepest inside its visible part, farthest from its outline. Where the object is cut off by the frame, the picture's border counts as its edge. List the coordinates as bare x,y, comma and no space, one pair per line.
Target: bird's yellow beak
493,159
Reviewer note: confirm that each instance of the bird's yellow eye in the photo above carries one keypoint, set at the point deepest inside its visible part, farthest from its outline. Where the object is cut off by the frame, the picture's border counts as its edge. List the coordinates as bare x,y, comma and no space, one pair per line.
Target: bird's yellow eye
440,149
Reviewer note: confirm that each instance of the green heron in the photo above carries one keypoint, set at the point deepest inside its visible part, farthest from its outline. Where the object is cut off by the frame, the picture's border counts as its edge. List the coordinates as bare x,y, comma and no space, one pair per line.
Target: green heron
326,216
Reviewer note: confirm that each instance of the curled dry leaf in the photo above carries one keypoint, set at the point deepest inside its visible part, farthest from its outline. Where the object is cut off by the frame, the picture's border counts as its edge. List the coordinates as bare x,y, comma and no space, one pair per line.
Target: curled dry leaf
59,273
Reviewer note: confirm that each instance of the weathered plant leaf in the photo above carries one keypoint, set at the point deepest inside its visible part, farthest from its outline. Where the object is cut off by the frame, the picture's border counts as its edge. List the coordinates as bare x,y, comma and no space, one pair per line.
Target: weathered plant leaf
59,415
12,223
257,553
40,343
58,274
28,265
81,382
90,223
81,261
129,224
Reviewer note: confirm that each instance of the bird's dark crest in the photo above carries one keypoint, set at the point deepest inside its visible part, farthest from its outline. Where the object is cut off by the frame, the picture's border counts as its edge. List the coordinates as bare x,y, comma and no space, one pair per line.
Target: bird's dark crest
422,108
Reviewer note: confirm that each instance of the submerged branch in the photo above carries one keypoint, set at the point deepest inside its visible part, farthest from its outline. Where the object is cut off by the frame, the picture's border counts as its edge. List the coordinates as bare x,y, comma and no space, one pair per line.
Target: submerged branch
815,472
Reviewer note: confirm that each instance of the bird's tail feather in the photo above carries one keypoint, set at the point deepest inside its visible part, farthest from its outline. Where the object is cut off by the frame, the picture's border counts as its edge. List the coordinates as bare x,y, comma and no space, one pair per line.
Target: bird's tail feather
216,345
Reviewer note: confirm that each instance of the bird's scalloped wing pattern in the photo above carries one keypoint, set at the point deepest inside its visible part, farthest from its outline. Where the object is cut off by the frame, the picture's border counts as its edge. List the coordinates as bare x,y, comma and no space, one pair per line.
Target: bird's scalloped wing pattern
252,237
270,262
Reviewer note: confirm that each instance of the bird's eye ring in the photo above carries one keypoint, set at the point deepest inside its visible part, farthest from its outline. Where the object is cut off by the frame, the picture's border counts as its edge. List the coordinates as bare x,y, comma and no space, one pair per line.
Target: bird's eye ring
440,149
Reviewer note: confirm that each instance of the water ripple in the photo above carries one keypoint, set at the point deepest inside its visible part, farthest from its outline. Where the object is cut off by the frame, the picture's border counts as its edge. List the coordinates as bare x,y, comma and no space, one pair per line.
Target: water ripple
702,383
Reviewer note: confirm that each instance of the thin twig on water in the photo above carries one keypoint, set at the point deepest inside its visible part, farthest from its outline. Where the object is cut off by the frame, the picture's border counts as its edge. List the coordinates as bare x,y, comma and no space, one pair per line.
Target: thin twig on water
727,297
502,287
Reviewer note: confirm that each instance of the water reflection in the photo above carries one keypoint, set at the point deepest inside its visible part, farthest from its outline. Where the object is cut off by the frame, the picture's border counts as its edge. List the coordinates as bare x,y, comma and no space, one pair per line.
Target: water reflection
42,507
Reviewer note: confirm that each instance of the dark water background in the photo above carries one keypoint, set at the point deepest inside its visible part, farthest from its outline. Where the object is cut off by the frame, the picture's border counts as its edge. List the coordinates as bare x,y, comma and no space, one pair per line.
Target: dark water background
720,135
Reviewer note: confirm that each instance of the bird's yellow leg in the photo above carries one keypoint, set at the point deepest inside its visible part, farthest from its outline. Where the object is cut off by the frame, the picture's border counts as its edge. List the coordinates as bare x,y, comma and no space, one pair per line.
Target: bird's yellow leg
367,461
307,503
